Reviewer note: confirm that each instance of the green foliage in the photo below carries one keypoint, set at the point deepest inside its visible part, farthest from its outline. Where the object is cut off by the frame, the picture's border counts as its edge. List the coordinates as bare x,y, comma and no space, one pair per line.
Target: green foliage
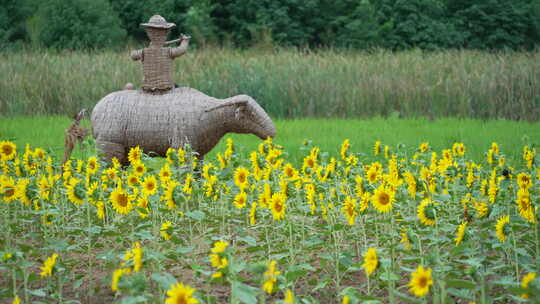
78,24
365,24
494,24
12,21
416,23
134,12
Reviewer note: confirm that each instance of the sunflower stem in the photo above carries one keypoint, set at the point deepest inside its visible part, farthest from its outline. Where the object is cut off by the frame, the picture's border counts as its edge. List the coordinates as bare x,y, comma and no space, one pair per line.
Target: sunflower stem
26,295
537,245
60,300
515,253
392,253
89,249
14,279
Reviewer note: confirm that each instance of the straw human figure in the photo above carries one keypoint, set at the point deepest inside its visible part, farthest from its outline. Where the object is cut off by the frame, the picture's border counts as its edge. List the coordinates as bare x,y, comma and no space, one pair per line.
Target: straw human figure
157,60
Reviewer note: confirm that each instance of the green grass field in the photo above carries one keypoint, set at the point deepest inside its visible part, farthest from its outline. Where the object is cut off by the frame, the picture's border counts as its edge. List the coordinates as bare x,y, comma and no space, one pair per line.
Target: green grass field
328,134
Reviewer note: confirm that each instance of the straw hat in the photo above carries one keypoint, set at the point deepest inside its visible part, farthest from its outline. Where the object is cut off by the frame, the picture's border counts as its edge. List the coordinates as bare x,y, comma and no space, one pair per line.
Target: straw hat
157,21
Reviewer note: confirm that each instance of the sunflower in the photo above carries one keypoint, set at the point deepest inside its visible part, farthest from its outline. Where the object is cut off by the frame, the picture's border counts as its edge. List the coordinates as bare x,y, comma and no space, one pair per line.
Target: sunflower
180,294
349,209
149,185
525,207
117,275
138,168
137,254
75,192
134,154
92,165
165,229
289,297
100,213
133,180
209,185
420,281
310,162
424,147
373,174
111,174
364,202
495,148
219,246
370,261
270,277
8,191
142,204
377,148
383,199
344,148
386,151
240,200
290,172
527,279
22,190
218,262
187,184
481,208
253,214
8,150
460,233
426,213
48,265
121,200
500,227
524,180
17,300
241,177
405,239
278,206
265,197
165,174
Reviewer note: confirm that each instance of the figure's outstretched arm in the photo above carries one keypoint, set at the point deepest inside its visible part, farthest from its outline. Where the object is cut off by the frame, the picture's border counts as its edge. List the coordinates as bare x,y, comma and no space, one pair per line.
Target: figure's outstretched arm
182,49
137,55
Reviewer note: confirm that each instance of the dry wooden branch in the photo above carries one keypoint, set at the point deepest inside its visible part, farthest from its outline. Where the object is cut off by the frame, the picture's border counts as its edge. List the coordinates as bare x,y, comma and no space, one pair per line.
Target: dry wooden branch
75,133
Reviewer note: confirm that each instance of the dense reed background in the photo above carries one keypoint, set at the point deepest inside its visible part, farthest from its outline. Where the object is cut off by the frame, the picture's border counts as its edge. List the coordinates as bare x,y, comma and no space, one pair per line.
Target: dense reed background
291,83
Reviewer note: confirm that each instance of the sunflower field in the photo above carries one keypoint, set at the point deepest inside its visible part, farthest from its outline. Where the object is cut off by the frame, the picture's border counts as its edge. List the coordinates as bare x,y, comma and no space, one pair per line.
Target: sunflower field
402,225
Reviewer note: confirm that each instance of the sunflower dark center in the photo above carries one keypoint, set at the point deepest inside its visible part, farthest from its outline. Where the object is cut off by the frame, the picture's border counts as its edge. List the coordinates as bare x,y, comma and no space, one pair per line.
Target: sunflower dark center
423,281
122,200
289,172
278,206
7,149
384,198
10,192
181,300
242,178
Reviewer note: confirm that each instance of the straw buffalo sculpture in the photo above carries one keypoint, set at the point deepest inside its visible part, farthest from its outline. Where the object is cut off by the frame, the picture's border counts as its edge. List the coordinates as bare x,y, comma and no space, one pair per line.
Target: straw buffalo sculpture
160,115
129,118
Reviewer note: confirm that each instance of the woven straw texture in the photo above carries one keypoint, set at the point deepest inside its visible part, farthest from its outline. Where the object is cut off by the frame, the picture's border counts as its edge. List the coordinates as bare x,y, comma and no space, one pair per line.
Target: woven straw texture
158,61
157,67
129,118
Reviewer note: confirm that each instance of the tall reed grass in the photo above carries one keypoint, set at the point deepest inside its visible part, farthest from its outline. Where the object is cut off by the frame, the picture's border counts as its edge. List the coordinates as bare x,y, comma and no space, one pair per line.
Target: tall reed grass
292,84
